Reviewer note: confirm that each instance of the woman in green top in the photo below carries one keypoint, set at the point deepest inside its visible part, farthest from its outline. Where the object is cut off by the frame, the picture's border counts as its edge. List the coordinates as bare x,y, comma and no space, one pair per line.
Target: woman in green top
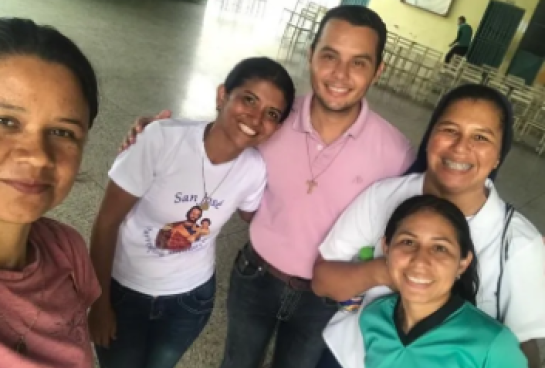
432,321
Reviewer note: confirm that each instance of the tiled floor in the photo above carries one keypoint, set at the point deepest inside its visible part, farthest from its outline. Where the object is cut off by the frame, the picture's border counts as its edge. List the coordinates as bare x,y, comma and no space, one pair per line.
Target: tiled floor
157,54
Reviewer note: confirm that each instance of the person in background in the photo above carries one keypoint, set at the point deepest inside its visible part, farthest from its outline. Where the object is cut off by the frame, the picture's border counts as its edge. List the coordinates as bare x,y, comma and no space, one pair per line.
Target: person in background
460,46
331,147
432,321
467,140
159,286
48,102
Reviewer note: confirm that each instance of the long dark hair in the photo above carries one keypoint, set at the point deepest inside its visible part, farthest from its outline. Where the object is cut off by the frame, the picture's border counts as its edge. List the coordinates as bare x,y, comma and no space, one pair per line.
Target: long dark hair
469,92
468,283
24,37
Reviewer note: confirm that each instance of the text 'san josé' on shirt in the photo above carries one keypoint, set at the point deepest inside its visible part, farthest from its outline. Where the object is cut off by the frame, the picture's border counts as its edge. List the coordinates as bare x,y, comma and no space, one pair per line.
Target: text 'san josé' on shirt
53,295
291,223
166,244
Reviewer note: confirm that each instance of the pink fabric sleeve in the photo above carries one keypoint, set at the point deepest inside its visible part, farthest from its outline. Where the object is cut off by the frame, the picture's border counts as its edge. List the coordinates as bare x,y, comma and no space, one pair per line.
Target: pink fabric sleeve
84,276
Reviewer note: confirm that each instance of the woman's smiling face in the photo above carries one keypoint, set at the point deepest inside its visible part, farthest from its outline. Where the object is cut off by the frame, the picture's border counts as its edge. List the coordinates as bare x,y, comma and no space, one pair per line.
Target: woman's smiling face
424,258
44,120
465,145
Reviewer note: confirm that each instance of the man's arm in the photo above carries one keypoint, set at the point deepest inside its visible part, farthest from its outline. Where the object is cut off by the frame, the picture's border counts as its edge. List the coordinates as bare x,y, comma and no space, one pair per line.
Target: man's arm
341,280
458,36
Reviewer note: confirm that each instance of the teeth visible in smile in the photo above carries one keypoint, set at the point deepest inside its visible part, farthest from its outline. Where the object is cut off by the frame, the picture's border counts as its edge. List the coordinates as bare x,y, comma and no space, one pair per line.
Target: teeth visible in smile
417,280
246,129
457,165
338,89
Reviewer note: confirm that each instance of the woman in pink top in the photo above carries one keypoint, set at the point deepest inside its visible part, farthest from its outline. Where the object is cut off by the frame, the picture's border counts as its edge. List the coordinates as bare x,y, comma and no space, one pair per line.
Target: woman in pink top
48,102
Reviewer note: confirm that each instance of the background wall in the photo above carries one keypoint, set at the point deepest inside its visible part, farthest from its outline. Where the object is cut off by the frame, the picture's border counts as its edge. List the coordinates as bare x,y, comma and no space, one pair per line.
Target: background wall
437,31
427,28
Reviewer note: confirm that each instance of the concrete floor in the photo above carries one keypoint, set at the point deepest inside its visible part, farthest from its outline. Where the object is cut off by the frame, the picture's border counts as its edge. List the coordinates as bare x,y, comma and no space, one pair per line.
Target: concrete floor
152,55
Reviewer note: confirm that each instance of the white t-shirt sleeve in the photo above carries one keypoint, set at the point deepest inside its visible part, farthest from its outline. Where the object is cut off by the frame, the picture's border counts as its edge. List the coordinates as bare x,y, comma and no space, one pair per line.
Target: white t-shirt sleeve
251,202
524,288
134,169
354,229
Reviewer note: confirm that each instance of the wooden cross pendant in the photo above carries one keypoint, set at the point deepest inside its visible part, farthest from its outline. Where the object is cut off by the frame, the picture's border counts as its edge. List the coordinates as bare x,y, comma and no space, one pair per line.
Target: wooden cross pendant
311,184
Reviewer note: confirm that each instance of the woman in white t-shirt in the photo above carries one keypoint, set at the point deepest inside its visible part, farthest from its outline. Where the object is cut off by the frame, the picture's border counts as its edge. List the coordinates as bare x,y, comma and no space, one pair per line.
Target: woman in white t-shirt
153,242
467,140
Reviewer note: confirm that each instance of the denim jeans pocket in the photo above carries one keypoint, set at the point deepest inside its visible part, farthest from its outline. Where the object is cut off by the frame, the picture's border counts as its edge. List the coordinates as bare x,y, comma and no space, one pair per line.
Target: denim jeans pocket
244,268
201,299
118,293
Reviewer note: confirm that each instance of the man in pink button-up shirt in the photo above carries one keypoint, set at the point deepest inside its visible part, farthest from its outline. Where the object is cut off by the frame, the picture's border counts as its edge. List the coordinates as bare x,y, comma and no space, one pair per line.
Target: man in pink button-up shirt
330,148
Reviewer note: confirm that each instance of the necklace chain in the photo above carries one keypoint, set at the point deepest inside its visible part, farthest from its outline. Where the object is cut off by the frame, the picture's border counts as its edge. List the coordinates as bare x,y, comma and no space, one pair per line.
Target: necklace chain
312,182
205,202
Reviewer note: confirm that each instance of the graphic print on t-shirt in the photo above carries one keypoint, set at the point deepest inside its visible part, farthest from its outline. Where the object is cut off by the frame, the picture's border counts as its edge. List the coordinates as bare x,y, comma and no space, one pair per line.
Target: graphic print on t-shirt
190,232
179,236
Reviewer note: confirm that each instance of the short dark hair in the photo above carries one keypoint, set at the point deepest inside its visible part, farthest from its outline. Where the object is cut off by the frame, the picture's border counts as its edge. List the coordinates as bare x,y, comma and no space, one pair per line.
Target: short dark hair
24,37
462,19
263,68
467,284
359,16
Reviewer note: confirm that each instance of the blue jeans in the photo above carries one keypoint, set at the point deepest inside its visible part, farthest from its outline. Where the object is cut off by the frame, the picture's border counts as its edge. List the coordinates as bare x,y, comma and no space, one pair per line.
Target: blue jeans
259,304
328,360
154,332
